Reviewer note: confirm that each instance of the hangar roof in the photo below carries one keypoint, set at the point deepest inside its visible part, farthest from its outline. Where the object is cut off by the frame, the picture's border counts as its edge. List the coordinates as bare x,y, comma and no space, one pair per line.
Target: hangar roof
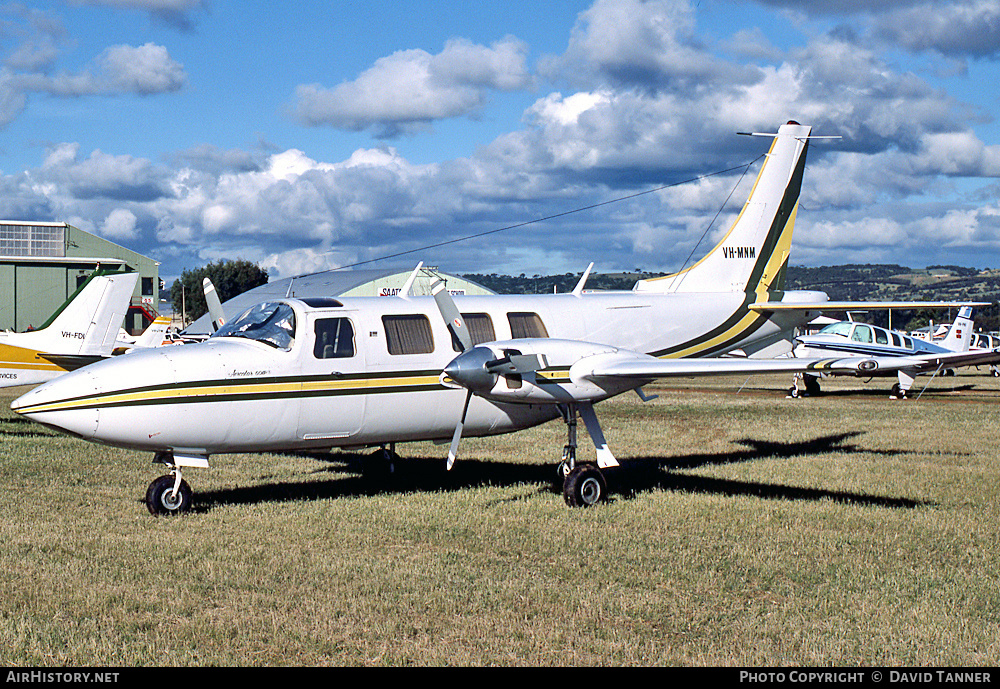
337,283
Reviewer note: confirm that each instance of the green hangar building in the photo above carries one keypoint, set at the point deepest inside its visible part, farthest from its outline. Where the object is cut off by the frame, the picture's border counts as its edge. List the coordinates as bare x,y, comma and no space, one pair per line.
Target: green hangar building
43,263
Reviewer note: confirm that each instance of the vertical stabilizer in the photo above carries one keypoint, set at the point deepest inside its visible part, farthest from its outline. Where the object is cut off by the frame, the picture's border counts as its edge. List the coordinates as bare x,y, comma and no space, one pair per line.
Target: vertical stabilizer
960,333
155,333
753,255
88,323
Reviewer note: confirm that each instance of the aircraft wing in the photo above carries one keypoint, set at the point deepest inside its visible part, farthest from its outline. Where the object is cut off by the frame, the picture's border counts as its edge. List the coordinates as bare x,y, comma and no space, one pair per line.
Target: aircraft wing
930,362
639,367
765,306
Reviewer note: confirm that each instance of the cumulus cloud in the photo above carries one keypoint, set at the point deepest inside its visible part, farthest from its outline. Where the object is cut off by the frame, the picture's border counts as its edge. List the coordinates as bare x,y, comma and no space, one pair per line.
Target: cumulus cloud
958,29
120,224
35,41
641,44
410,89
142,70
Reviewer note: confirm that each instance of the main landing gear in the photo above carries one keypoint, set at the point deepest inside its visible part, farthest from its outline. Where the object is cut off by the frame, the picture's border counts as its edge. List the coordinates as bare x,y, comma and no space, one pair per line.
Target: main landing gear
584,484
810,383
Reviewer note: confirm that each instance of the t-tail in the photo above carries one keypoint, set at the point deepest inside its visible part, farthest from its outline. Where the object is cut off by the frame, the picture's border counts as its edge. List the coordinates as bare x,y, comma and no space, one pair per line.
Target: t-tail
960,334
753,255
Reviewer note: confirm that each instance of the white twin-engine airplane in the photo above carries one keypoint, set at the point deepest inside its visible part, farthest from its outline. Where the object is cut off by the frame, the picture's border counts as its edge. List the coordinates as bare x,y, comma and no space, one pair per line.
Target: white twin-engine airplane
81,331
887,352
318,373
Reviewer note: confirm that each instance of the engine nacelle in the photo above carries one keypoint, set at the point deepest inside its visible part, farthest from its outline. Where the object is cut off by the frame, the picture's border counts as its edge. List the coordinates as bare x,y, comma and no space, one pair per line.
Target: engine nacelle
536,371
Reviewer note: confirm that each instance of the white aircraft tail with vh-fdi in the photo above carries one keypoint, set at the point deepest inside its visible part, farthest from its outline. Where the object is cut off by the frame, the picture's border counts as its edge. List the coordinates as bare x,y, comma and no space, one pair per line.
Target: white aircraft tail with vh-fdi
81,331
890,353
320,373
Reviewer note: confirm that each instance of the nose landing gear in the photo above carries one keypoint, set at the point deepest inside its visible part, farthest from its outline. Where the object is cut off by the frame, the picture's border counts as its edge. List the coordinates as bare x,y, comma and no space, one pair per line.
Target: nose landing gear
168,494
171,494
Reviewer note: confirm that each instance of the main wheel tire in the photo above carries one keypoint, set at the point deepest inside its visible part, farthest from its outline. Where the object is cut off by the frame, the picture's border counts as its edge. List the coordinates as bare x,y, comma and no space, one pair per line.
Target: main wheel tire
812,386
379,467
161,501
585,486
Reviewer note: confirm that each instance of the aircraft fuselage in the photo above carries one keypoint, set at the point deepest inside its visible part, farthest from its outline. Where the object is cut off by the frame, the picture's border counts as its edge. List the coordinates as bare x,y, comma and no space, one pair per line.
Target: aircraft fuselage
232,394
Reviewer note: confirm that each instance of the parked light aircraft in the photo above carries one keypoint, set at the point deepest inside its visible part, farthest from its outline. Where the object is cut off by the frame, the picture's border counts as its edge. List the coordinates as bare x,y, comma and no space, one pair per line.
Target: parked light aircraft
981,341
913,356
318,373
81,331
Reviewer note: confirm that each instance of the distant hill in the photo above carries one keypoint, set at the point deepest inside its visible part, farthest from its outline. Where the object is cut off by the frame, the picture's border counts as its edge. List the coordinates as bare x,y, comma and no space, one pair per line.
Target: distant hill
852,282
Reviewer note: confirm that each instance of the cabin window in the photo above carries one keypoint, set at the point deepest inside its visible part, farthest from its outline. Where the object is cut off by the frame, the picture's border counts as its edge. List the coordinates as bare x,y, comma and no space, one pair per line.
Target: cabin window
862,333
907,342
895,340
480,327
526,325
409,334
334,339
881,337
272,323
842,328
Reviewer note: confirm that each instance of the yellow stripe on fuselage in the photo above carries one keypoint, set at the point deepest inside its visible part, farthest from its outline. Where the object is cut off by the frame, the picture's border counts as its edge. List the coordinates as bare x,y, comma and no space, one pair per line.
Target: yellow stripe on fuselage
402,383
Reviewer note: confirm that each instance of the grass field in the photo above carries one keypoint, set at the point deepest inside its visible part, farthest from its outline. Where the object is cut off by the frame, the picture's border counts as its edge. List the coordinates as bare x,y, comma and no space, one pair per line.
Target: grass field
743,529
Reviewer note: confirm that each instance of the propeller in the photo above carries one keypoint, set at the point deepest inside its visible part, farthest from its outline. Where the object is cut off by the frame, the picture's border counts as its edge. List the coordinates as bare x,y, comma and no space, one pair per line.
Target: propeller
476,370
457,436
476,367
452,318
463,340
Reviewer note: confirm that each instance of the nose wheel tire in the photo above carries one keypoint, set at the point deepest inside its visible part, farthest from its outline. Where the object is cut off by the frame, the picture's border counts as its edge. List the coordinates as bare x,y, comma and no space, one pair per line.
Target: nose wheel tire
161,499
585,486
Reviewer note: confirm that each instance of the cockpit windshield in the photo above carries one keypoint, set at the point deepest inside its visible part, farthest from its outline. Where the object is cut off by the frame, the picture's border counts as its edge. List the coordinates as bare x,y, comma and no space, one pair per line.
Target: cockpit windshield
272,323
843,328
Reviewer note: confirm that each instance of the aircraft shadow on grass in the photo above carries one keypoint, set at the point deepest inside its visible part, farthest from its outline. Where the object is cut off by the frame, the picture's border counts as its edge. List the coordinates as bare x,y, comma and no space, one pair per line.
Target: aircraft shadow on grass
636,475
933,390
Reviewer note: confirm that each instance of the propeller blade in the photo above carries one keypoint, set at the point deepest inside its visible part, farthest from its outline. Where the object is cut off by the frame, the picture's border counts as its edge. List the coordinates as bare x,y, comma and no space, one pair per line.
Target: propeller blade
214,305
453,450
451,315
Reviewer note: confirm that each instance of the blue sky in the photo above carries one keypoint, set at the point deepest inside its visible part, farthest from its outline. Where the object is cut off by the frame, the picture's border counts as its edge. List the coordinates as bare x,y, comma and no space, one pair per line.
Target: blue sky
340,132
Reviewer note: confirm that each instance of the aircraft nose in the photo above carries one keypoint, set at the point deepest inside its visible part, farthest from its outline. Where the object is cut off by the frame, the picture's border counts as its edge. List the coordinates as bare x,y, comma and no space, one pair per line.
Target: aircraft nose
64,403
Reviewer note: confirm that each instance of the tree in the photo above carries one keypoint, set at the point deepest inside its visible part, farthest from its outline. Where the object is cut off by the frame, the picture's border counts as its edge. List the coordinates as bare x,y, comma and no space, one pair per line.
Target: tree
229,277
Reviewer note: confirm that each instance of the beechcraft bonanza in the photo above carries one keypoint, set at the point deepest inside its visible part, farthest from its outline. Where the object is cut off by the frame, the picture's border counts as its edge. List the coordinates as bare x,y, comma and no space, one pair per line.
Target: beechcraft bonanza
889,353
319,373
80,332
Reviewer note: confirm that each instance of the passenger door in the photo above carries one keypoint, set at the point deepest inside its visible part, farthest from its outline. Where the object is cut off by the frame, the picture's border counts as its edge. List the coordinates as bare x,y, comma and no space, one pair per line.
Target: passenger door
333,380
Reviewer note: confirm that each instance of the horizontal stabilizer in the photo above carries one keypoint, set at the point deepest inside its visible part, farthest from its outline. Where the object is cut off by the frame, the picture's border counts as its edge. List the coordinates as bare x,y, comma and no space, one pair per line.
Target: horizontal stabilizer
861,305
71,362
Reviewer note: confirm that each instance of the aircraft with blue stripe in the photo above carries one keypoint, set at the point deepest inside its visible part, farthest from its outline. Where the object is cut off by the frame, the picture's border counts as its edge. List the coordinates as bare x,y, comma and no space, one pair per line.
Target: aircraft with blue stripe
891,352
